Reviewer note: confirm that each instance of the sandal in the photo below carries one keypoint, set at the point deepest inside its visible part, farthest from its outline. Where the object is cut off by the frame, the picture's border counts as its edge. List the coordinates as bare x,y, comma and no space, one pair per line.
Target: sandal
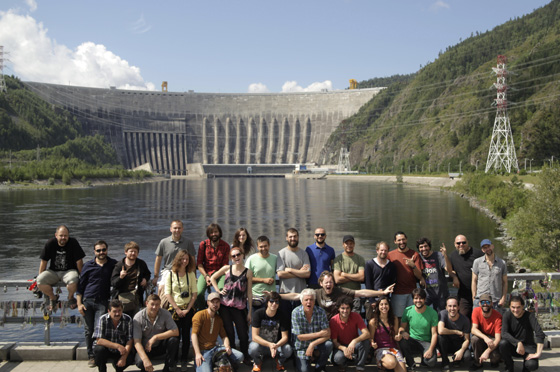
53,304
72,303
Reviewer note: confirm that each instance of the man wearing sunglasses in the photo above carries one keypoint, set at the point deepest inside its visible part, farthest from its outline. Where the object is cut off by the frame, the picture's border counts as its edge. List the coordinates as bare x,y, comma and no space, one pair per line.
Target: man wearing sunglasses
489,276
270,334
462,261
321,257
486,333
94,291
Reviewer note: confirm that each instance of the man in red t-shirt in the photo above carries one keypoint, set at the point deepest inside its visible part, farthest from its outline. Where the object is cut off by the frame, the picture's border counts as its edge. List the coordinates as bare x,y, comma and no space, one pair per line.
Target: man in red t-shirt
348,343
409,269
487,332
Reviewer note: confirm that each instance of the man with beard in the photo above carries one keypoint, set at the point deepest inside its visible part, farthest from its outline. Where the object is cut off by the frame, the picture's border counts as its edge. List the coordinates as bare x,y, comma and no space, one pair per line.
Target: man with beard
520,328
113,339
311,332
263,266
380,273
454,334
292,267
349,269
167,250
270,334
155,333
421,337
66,260
462,261
434,264
489,276
321,257
94,291
350,336
207,325
409,270
487,333
213,254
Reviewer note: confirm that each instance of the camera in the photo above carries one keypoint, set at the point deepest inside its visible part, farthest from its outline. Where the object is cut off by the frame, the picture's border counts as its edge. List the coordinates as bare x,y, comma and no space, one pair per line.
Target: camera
184,294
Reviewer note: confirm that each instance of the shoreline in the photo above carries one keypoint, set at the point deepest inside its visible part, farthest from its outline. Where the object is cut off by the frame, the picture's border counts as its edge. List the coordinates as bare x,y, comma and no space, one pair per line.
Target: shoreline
77,184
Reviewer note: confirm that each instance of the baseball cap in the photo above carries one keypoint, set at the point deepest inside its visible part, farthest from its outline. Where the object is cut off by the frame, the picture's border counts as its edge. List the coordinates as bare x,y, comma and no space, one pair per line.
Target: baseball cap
485,242
213,296
485,297
347,237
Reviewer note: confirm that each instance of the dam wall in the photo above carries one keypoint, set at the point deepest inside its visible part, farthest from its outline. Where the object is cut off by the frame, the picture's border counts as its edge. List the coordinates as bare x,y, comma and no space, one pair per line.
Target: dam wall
170,130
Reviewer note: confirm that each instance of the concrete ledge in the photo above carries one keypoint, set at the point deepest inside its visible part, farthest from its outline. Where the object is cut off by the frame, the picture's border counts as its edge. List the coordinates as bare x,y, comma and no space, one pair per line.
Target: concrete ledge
81,352
5,348
36,351
554,341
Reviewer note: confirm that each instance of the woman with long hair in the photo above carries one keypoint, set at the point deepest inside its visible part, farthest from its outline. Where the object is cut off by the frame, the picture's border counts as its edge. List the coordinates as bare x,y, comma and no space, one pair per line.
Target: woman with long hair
243,239
237,300
180,289
383,328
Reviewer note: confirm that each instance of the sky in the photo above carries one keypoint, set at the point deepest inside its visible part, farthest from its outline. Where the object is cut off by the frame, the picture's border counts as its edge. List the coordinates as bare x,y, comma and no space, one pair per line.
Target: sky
236,46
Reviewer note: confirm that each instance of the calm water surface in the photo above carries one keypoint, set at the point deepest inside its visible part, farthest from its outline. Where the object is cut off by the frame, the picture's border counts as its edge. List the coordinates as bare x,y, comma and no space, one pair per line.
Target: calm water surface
371,211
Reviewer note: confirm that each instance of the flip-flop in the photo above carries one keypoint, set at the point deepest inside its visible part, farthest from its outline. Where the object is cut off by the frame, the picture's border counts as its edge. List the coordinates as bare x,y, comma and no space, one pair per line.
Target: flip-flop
72,303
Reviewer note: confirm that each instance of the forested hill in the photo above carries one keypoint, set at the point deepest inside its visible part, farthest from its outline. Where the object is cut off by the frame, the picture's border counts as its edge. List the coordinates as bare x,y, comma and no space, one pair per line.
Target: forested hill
444,114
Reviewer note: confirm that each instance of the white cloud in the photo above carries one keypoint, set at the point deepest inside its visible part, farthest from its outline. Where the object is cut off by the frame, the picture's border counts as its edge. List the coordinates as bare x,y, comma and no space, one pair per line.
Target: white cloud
258,88
37,57
292,86
32,4
140,26
440,4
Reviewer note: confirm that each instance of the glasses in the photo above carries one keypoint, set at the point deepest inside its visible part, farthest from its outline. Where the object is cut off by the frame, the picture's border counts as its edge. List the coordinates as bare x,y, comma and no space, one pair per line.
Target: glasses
101,250
274,301
460,243
485,302
235,255
320,234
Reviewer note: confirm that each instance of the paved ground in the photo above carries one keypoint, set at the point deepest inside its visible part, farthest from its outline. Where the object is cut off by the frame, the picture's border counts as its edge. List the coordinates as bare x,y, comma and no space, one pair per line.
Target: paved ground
550,362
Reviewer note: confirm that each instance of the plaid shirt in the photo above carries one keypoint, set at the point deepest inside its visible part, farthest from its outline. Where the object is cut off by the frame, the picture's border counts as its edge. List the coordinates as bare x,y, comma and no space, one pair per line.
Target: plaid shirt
300,326
120,335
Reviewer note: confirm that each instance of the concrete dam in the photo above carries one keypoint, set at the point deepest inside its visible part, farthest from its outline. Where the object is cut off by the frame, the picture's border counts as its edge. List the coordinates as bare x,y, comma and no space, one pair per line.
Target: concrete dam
170,130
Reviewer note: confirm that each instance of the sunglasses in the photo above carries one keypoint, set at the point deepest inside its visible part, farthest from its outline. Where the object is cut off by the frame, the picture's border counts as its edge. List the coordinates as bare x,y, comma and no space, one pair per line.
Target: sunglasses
101,250
274,301
460,243
320,234
485,302
235,255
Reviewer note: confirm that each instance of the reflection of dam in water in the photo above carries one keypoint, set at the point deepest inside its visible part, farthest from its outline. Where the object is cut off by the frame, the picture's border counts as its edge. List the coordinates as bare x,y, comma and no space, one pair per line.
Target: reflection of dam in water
171,130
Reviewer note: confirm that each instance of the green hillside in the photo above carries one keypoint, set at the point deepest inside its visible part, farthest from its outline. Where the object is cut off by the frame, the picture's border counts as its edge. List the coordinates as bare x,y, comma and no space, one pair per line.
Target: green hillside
443,115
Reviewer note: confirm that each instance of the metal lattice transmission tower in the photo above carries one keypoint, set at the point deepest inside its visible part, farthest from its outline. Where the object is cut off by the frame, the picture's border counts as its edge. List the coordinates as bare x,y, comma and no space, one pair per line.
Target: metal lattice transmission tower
2,81
343,160
502,150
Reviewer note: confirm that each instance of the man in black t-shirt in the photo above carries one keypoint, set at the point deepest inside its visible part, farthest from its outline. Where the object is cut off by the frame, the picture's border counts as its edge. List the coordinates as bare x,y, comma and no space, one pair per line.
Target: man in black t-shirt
454,334
66,260
270,334
462,261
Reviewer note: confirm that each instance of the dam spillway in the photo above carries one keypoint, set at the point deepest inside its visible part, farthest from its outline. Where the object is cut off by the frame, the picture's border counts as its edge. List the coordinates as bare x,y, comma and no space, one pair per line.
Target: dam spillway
169,130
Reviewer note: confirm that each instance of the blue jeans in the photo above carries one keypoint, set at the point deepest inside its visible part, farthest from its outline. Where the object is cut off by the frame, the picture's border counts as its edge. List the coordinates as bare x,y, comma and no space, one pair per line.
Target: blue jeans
325,350
257,352
92,313
206,365
360,355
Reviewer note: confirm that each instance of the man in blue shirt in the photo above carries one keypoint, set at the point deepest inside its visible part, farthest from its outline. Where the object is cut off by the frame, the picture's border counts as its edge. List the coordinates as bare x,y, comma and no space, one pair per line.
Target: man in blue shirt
94,291
321,257
311,332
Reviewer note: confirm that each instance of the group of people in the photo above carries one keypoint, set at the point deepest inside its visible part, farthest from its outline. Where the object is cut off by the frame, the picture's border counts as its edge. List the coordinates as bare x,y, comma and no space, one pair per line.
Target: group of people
315,315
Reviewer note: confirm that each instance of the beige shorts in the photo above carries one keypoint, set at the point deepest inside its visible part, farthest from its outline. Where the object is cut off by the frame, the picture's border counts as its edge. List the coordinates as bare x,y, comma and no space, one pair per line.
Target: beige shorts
50,277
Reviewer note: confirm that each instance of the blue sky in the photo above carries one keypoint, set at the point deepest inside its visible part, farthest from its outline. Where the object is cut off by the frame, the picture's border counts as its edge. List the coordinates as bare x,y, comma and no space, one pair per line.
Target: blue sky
236,46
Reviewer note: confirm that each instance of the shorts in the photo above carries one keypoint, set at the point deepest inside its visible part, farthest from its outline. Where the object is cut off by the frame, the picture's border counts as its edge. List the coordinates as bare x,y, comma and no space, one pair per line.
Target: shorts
381,352
51,277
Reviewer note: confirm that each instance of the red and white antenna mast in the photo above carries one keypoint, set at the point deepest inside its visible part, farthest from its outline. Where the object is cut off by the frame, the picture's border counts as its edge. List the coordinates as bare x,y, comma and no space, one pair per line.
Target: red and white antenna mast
502,150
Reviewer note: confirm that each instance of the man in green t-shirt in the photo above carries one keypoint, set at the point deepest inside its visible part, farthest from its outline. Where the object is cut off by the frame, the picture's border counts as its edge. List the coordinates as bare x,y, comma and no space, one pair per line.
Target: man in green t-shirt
349,270
263,266
419,331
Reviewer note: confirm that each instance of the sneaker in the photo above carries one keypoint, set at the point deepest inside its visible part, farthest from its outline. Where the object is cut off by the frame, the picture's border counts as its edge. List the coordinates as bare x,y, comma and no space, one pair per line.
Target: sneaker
256,368
184,366
474,366
445,368
279,367
91,363
247,361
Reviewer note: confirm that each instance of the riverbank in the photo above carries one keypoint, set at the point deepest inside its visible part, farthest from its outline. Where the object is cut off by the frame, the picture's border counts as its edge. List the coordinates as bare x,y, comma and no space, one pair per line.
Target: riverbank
413,180
78,184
